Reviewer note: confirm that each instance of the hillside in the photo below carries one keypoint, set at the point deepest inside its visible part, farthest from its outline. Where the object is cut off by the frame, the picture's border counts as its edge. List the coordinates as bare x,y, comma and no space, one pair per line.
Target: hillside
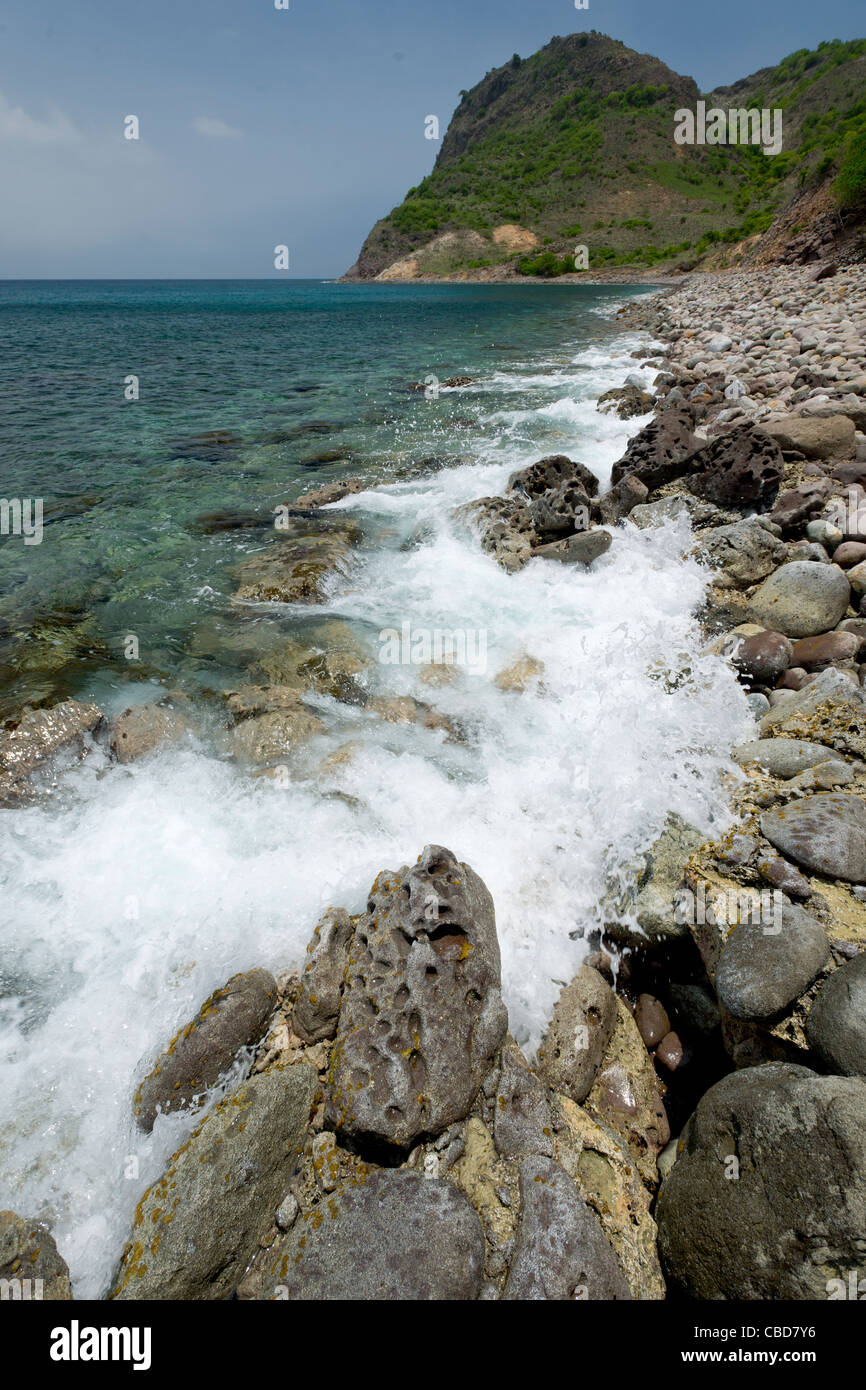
575,144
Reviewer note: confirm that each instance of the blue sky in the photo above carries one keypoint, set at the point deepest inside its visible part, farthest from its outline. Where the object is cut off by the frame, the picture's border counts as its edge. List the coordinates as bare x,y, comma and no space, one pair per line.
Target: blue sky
300,127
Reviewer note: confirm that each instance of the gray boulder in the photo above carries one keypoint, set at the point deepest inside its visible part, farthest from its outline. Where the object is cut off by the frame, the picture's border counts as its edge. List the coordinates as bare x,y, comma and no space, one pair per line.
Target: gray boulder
836,1027
802,599
395,1235
581,549
233,1017
522,1125
766,965
421,1016
781,757
767,1198
197,1228
744,553
560,1249
825,833
830,438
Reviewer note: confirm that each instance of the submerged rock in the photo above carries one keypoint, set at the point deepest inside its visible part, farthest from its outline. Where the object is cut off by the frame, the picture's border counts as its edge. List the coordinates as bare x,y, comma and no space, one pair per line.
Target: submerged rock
767,1199
197,1228
560,1250
421,1016
31,1268
390,1236
294,568
233,1017
271,722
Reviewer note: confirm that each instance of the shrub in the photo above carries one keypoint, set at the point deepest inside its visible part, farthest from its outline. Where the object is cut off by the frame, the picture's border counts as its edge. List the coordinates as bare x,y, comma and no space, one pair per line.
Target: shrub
850,187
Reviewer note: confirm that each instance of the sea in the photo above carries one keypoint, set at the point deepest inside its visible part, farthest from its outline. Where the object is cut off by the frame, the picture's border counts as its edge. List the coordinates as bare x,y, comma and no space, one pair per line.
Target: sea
164,427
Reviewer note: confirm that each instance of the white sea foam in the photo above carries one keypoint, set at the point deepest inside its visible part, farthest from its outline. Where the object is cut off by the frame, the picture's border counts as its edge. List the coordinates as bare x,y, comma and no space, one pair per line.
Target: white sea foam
146,887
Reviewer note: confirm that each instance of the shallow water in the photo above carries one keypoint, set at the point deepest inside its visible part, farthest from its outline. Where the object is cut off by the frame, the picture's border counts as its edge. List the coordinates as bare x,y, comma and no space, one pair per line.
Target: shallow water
136,891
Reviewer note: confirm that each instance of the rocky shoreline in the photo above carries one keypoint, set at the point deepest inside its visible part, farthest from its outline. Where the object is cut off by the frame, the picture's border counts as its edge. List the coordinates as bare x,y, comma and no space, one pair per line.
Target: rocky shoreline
694,1121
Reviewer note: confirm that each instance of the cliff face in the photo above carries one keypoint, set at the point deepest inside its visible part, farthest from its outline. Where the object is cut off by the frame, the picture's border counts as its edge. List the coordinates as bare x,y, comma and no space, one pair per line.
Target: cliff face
576,144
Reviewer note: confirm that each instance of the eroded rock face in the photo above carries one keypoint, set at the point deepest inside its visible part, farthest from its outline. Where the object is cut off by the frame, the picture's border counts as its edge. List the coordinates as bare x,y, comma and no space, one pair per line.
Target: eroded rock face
231,1018
741,470
825,833
657,454
793,1216
421,1017
30,1261
197,1228
578,1034
550,473
504,526
392,1236
318,1007
560,1251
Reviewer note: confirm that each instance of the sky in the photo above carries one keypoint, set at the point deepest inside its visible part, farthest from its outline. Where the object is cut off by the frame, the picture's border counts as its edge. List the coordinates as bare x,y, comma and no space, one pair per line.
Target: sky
262,127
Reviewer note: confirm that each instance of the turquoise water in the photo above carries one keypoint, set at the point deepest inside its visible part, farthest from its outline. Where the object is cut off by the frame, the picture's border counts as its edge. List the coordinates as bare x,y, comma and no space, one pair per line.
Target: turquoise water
128,893
303,381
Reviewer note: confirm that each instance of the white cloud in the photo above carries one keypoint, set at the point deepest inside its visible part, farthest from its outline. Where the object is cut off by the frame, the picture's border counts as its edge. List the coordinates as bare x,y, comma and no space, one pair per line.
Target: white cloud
16,124
213,126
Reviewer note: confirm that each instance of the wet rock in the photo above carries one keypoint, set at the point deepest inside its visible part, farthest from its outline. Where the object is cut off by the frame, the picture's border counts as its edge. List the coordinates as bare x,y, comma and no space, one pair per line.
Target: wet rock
651,1019
745,553
740,470
550,473
504,527
520,674
825,833
560,1250
627,1096
233,1017
762,658
657,876
295,569
626,402
836,1027
781,757
522,1125
391,1236
662,512
421,1017
41,734
697,1006
766,965
670,1052
802,599
271,723
561,511
31,1268
197,1228
830,438
318,1007
767,1199
616,504
657,454
329,492
145,729
578,1034
582,549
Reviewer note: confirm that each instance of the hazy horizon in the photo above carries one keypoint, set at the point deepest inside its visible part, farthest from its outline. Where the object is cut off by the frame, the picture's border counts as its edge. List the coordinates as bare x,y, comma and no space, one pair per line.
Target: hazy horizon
262,127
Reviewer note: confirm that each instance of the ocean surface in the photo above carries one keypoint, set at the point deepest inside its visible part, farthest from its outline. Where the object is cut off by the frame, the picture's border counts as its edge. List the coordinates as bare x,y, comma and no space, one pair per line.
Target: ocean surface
130,893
